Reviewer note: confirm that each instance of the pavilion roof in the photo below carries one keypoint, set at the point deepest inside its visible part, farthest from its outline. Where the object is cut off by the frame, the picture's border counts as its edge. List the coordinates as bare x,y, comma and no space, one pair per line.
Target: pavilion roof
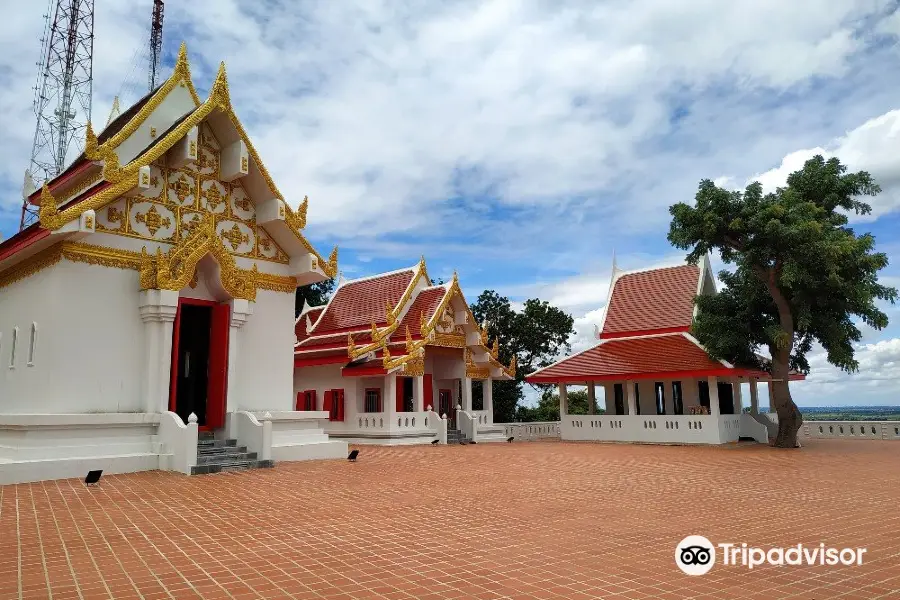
655,300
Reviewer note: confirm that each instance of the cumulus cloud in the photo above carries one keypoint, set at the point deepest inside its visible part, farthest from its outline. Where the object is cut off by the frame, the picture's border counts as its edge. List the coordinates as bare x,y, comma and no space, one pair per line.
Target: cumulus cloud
870,147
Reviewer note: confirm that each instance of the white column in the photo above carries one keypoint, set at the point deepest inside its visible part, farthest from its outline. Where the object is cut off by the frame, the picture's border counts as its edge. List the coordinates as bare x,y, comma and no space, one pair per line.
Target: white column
738,397
713,396
629,395
772,398
592,399
419,394
389,401
487,393
467,394
754,397
240,312
158,309
609,395
563,401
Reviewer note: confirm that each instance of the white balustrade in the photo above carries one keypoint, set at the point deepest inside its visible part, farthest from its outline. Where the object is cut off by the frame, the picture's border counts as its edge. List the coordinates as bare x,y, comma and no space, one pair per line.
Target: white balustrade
531,431
860,430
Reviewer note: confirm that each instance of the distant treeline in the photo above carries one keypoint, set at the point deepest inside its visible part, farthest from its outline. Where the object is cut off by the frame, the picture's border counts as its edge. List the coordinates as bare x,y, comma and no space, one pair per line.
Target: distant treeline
850,413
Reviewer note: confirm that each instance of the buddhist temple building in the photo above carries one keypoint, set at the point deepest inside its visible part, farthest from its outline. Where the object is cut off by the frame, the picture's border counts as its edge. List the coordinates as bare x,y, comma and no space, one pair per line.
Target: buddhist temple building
146,321
659,384
393,358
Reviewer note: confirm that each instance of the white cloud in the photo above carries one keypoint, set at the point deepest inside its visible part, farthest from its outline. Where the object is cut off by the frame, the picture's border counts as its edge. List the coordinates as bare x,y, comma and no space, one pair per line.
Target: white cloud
870,147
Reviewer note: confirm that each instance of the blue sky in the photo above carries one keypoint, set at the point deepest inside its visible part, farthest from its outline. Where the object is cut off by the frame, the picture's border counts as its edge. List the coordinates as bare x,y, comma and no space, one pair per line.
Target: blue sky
521,142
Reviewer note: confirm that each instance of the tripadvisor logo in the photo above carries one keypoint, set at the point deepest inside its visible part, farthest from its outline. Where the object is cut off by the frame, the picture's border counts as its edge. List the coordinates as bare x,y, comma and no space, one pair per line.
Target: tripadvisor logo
696,555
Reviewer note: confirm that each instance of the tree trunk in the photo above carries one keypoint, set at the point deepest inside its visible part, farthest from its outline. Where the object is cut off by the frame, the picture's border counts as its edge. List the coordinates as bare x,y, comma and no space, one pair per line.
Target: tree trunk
789,417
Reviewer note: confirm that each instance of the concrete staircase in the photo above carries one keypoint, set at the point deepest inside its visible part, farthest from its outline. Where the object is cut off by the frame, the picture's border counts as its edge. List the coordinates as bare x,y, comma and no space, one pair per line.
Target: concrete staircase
215,456
454,436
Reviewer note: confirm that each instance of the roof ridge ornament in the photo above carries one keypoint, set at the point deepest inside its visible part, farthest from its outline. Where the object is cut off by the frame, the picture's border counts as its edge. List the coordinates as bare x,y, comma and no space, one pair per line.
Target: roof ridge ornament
49,211
219,93
114,112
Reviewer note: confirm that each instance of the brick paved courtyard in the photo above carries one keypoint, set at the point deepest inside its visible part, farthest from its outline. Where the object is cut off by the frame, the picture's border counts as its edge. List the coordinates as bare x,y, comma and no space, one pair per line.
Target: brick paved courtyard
524,520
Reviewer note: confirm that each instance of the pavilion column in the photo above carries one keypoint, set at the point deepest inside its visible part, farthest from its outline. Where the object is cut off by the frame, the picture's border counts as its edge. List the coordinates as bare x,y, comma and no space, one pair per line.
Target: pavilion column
419,393
772,398
563,401
714,409
632,400
157,309
487,394
389,401
592,400
754,397
467,394
738,397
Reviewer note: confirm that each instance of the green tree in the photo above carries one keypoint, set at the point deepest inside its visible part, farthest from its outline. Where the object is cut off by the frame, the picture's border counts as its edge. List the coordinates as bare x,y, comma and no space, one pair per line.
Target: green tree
548,406
801,274
536,336
314,294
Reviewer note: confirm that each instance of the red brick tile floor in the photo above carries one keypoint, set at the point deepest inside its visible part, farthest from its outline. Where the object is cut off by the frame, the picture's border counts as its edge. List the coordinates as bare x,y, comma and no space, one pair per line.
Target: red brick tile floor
523,520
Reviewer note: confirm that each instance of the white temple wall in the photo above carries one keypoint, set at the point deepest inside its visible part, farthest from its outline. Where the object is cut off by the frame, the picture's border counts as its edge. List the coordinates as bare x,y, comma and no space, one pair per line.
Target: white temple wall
88,346
175,104
266,354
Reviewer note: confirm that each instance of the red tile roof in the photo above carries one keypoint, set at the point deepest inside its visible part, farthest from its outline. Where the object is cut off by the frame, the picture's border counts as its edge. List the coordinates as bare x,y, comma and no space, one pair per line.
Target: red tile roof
300,325
634,358
426,302
362,302
652,300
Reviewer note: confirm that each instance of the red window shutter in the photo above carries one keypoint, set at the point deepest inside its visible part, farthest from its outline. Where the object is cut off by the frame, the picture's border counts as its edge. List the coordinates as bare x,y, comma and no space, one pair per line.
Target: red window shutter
340,407
400,394
311,400
429,393
301,401
326,405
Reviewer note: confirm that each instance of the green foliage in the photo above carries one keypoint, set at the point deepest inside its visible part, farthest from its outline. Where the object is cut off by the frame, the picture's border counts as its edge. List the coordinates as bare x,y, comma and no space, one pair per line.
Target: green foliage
315,294
536,336
548,407
802,275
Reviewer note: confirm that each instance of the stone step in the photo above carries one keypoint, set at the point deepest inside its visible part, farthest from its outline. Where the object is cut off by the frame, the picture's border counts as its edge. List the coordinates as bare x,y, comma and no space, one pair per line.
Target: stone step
225,451
238,465
207,459
214,443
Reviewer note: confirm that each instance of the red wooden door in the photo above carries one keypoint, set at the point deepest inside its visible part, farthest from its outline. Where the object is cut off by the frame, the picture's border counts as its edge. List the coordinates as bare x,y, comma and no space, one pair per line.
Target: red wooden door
429,393
173,370
445,406
217,389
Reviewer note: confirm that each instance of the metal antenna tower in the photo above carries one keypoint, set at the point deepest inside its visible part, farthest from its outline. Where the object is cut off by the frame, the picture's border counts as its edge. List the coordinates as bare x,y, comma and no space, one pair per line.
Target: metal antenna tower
156,30
62,102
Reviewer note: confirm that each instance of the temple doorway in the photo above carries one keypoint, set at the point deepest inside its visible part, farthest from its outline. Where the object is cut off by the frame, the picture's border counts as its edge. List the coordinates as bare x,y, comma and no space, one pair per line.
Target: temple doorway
199,372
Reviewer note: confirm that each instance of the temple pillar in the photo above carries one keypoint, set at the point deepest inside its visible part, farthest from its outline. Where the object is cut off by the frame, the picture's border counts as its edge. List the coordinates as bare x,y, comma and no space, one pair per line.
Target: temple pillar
158,309
487,394
592,400
563,401
467,394
772,398
632,400
754,397
714,408
738,397
419,394
389,401
240,312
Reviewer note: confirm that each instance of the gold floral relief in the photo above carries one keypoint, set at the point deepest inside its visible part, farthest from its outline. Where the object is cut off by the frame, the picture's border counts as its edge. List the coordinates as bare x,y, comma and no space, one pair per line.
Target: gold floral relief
112,218
235,237
213,196
153,219
182,188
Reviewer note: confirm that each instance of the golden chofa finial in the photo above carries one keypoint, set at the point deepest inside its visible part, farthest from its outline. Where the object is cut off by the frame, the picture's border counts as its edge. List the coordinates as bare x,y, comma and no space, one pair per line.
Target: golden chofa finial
182,61
219,92
495,349
389,316
351,345
301,212
387,356
374,333
409,340
90,142
48,212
